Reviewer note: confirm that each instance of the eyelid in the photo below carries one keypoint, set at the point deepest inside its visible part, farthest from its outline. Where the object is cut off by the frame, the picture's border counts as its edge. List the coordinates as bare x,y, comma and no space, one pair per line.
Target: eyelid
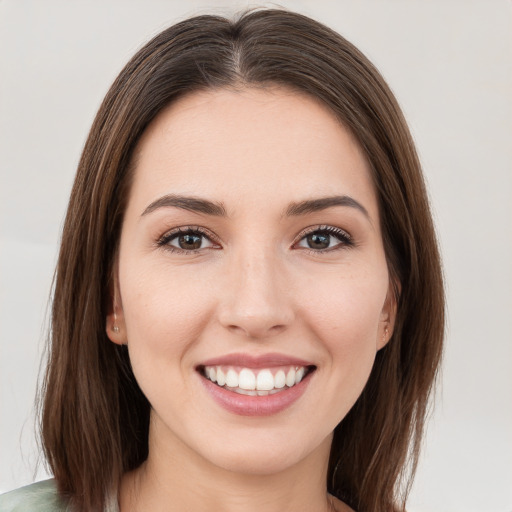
163,241
343,235
345,239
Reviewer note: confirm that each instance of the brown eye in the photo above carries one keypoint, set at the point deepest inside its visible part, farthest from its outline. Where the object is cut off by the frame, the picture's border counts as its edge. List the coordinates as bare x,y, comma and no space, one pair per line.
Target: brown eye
187,240
190,241
318,240
325,239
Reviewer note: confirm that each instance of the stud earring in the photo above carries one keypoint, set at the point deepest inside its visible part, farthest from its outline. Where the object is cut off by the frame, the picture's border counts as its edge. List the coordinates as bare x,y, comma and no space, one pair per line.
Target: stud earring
115,327
385,335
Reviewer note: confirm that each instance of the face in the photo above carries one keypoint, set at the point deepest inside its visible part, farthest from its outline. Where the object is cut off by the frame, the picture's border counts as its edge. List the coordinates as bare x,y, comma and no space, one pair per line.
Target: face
252,286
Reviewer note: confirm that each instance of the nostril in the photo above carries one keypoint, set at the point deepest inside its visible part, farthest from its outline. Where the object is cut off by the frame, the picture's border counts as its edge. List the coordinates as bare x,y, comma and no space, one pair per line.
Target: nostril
256,311
235,329
255,330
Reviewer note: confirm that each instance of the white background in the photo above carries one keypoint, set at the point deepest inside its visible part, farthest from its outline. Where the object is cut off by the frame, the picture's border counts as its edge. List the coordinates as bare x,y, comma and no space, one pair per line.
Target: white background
450,65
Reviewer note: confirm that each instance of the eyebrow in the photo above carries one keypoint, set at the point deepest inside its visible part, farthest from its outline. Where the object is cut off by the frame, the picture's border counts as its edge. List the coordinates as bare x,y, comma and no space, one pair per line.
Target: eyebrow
316,205
199,205
193,204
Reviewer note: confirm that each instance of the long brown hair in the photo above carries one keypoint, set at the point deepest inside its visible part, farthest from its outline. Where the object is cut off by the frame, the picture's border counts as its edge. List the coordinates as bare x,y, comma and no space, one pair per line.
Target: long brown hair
95,419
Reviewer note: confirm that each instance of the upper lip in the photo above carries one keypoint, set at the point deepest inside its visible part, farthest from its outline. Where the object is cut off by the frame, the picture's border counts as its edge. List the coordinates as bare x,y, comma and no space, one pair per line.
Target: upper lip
255,361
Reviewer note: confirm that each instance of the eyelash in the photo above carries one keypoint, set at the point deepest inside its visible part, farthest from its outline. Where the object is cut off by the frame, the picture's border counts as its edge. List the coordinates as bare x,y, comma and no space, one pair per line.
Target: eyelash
164,241
345,240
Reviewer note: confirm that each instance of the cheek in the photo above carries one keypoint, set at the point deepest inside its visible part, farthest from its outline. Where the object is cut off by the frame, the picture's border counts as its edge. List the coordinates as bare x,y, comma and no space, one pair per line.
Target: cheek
346,310
344,315
164,312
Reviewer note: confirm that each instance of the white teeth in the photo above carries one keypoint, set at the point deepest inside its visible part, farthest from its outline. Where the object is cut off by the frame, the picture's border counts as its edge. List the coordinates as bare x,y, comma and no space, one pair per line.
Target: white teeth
255,383
232,379
290,377
265,381
221,378
246,379
280,380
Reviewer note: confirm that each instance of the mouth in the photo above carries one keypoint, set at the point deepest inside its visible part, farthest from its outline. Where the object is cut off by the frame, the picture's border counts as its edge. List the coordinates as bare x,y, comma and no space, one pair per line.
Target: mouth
256,385
256,382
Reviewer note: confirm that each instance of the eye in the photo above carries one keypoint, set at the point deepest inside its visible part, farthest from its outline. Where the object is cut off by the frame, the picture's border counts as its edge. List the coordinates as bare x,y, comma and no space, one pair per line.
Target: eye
186,240
325,238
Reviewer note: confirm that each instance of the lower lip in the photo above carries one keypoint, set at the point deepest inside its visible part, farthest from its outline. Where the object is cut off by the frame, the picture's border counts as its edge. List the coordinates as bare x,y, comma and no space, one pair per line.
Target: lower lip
245,405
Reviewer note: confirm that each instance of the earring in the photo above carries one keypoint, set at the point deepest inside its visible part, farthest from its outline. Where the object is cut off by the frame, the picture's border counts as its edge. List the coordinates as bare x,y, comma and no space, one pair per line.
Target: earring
385,335
115,327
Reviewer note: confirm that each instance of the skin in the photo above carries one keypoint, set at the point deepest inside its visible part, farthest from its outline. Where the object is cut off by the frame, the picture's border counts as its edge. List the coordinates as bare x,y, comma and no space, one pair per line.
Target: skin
256,287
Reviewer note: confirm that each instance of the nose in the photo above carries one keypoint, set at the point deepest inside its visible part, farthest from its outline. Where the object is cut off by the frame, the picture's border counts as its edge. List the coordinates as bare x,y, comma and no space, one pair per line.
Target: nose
256,301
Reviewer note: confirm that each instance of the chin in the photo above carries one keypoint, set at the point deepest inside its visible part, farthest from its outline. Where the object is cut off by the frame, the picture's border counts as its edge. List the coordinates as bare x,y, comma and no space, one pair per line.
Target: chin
257,462
266,454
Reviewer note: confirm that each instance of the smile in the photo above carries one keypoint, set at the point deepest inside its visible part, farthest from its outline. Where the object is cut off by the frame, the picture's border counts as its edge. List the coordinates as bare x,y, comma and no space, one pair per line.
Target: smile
261,382
255,385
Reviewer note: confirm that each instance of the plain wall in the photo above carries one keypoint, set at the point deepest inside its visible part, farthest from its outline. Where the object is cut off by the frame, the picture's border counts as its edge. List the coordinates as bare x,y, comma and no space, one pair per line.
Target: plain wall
450,65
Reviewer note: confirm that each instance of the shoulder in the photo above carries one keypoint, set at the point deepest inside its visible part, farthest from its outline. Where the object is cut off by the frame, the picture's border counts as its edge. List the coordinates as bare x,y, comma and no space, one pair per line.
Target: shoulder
38,497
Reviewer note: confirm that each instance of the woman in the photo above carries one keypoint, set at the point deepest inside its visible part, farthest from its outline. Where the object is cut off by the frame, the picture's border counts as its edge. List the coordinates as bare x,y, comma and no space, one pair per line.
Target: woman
248,306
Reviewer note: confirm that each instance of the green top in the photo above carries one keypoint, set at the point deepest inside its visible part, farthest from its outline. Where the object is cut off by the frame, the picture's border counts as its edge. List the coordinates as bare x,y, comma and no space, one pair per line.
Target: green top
40,497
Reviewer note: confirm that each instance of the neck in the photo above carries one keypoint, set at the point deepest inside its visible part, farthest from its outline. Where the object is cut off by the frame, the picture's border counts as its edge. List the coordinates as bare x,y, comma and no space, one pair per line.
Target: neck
176,478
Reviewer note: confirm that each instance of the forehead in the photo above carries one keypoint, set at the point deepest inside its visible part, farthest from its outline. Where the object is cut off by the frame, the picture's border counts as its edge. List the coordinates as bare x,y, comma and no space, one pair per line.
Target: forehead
250,143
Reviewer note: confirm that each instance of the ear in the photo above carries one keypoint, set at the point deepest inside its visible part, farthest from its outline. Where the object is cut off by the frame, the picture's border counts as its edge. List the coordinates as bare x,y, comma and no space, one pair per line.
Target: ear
115,324
388,315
